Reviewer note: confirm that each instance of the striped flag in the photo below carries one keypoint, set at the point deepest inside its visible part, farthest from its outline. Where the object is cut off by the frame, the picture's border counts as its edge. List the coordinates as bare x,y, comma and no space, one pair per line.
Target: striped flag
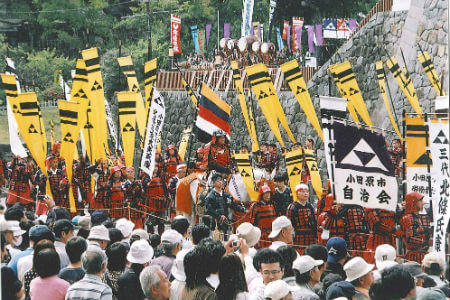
213,115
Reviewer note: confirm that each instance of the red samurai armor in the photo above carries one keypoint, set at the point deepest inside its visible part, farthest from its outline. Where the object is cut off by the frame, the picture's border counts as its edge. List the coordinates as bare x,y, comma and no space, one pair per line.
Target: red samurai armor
19,182
382,227
262,215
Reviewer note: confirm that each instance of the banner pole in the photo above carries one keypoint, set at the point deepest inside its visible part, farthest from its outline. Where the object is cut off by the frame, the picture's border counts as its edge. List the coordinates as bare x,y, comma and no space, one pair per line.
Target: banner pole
427,145
404,154
390,97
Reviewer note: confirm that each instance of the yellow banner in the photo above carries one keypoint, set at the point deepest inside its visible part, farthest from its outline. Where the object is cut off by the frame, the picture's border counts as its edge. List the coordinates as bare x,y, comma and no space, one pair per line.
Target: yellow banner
127,120
70,131
97,100
150,72
264,90
311,163
244,166
428,66
294,77
43,135
381,83
52,132
294,166
350,89
416,139
184,142
405,84
190,92
126,65
248,114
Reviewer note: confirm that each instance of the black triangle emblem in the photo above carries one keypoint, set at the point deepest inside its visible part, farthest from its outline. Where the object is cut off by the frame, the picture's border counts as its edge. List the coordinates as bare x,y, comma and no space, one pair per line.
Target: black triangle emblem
68,138
244,174
314,168
352,91
96,86
32,129
135,88
128,128
300,90
424,159
262,95
88,126
365,157
80,94
441,138
271,93
295,171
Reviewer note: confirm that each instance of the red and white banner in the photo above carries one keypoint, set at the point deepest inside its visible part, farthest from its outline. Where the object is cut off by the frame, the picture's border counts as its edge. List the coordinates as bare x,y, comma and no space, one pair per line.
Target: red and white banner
296,22
285,29
175,29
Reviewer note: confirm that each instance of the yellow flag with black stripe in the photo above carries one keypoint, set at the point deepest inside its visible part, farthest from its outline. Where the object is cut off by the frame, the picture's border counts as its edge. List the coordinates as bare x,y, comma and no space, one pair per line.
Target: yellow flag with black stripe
263,88
126,65
189,90
52,132
381,83
350,89
127,120
311,163
416,138
97,102
43,135
69,112
247,112
244,166
294,167
297,84
9,84
428,66
184,142
350,106
150,73
405,83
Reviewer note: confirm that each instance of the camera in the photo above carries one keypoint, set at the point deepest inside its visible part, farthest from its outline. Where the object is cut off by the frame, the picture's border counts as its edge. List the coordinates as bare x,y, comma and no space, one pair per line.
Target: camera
235,244
41,197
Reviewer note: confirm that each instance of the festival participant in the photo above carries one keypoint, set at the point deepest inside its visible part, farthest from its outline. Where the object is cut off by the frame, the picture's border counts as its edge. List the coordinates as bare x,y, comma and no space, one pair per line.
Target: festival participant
155,201
200,163
396,153
274,156
20,172
101,185
81,181
219,156
56,151
58,182
282,196
322,210
262,214
303,218
296,146
116,193
159,160
382,227
173,184
171,162
2,172
416,229
133,196
243,149
266,158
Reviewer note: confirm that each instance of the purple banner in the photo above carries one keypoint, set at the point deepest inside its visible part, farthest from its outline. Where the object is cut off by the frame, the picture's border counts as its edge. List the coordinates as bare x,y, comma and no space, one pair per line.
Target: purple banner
208,32
311,39
226,30
259,30
298,34
289,37
352,24
319,37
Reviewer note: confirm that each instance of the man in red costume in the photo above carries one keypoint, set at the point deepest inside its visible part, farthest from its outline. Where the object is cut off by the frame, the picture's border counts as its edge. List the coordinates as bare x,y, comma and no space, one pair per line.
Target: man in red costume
133,197
58,182
116,193
382,227
171,162
155,201
20,171
219,157
262,214
416,228
81,182
101,185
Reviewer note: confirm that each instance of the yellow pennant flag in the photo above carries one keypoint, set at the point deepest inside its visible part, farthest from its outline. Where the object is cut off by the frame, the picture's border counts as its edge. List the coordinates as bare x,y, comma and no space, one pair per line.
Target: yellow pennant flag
294,166
126,65
184,142
43,135
70,131
428,66
244,166
381,83
52,132
405,83
350,89
311,163
190,92
264,90
294,77
127,120
416,142
9,84
97,102
350,106
150,72
248,113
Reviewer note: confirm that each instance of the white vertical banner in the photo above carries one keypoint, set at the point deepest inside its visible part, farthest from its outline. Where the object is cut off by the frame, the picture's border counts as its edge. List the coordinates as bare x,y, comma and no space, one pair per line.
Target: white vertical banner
111,127
154,127
247,14
439,148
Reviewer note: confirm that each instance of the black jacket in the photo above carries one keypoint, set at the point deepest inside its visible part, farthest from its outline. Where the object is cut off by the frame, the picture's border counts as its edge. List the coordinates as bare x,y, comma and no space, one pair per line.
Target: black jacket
218,205
129,286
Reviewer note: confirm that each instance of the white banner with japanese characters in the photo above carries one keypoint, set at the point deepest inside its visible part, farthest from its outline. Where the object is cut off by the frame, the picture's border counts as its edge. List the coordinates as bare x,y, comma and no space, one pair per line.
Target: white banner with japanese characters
439,148
363,171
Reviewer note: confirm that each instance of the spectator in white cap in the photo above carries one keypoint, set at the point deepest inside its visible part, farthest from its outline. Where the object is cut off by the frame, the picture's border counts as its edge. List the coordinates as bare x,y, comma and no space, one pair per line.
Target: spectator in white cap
141,233
126,227
279,290
359,274
171,243
98,237
84,222
433,265
307,275
282,232
385,256
13,237
179,276
140,256
155,284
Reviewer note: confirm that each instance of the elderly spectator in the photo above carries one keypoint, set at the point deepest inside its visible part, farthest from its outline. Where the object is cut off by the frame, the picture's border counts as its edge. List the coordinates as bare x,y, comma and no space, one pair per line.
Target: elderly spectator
307,275
360,275
99,237
75,247
171,242
117,261
47,286
433,265
12,233
84,223
282,232
154,283
91,286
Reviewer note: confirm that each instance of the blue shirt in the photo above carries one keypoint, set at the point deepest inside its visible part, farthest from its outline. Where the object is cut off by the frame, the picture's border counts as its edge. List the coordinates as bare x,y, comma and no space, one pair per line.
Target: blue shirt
13,263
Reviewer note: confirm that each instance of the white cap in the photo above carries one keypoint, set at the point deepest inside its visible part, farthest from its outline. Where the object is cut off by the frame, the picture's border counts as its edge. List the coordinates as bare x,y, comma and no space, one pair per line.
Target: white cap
11,225
384,253
278,224
434,257
278,289
251,234
301,186
181,167
356,268
99,232
125,226
141,233
178,266
140,252
171,236
306,263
